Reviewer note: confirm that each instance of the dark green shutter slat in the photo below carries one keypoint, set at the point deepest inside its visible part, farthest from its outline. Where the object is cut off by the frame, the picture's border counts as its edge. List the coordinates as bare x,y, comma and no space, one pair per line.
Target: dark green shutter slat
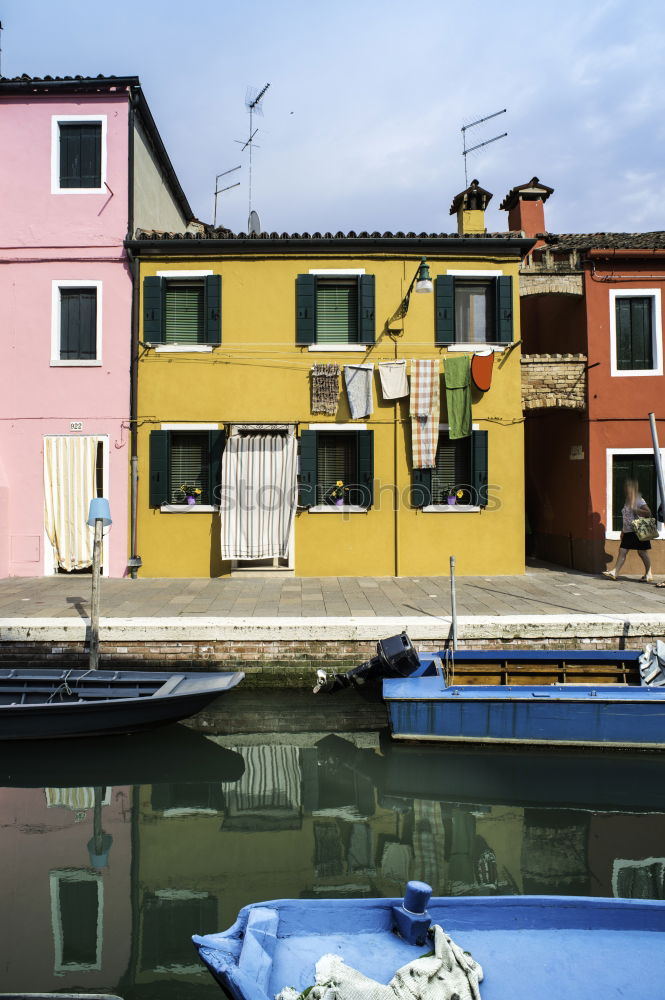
444,305
479,467
307,469
91,141
153,310
624,345
367,324
216,442
622,469
365,468
88,326
306,309
159,468
421,487
640,318
504,309
213,309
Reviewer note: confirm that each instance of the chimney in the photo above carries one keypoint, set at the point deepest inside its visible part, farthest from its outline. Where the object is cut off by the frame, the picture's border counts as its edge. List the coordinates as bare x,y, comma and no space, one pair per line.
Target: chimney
469,206
524,205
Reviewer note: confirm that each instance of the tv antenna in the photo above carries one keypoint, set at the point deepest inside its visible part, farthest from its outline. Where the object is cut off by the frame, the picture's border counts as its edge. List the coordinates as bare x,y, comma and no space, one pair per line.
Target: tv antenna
470,149
253,104
219,190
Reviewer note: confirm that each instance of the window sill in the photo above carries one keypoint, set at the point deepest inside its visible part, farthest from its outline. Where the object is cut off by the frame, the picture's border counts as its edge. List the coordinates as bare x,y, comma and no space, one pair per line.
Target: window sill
450,508
72,363
496,348
188,508
325,508
85,190
182,348
637,372
340,348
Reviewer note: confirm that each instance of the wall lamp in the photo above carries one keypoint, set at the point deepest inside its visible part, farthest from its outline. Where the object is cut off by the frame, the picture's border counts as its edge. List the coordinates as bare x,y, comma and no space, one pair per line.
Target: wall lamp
422,281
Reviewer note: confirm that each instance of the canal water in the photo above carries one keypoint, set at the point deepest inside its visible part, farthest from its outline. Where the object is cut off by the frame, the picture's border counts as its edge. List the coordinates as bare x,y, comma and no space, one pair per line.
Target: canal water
114,852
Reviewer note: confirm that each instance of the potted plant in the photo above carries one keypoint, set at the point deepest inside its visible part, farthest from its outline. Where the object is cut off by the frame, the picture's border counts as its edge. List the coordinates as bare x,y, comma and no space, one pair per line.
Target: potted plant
336,494
190,493
455,496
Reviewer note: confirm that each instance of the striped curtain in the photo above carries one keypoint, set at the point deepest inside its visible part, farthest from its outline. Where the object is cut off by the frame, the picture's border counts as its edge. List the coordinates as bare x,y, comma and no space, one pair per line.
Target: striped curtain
259,495
69,486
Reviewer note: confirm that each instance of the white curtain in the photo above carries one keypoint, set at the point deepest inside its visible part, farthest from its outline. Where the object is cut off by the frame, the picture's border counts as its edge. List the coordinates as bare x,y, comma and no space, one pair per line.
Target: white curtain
69,486
259,495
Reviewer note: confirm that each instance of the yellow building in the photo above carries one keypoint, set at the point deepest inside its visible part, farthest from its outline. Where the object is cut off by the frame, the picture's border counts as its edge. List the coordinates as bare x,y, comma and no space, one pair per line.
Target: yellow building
235,396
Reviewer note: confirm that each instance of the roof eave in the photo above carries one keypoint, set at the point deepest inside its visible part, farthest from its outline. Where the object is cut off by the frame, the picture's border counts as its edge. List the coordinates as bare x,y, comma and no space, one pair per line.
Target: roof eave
510,246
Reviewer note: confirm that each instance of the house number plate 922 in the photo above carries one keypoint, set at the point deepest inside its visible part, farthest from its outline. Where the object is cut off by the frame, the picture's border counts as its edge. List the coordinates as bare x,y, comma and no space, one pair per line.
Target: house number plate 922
76,425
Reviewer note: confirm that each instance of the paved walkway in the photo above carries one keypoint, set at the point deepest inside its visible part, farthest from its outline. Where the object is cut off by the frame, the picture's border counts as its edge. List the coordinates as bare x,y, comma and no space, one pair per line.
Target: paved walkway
542,591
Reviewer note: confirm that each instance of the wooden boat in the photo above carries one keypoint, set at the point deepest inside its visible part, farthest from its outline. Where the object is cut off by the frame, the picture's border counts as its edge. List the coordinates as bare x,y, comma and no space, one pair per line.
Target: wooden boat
48,704
430,705
168,754
567,947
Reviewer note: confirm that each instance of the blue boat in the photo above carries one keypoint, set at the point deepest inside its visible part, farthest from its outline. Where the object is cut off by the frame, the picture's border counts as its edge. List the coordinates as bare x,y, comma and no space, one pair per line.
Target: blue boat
571,948
429,705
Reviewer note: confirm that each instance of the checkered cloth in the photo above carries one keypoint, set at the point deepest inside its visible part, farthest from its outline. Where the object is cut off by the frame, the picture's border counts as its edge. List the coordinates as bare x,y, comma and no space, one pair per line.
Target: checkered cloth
425,407
325,389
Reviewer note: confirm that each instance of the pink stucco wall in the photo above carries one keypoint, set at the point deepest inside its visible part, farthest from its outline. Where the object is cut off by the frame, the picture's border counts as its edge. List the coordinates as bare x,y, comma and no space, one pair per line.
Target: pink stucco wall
46,237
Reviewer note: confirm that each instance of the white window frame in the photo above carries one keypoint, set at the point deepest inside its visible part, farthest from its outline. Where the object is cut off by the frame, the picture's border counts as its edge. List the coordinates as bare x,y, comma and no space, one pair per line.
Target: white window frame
347,508
56,120
56,314
475,346
75,875
656,331
49,560
609,512
452,508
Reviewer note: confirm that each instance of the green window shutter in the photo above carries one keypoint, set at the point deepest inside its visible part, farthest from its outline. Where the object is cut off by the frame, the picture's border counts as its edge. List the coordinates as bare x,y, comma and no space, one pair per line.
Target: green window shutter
80,154
634,333
479,467
365,451
623,337
159,468
421,487
444,305
216,442
91,155
153,310
644,472
78,324
504,309
367,309
213,309
622,469
307,469
306,309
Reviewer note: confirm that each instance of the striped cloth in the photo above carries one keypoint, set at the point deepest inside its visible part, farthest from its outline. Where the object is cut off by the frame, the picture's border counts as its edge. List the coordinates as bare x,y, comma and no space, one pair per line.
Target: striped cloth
325,388
425,406
69,486
259,495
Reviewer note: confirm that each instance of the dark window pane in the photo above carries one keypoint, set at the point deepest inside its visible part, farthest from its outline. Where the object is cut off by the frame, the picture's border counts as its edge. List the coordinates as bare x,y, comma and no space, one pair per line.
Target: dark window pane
337,312
183,313
642,469
80,155
78,324
453,469
336,462
79,903
190,467
634,333
474,312
168,925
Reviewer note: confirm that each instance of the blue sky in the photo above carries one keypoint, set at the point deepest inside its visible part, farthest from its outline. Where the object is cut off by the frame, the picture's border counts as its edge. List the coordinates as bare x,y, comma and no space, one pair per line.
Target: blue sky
362,121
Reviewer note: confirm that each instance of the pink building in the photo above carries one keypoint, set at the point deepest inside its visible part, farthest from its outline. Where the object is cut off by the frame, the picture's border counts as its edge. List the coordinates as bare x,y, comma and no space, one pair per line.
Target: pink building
82,167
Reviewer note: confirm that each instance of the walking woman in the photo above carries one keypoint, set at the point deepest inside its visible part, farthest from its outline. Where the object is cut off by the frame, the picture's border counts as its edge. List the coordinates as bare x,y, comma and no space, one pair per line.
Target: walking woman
634,506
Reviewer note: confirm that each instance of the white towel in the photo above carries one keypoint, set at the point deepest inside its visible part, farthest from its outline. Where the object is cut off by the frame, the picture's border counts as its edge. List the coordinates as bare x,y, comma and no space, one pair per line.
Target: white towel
394,383
358,380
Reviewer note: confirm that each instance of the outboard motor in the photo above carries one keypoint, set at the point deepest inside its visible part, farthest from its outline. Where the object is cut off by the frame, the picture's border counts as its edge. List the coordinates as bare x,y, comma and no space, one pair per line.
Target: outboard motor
395,657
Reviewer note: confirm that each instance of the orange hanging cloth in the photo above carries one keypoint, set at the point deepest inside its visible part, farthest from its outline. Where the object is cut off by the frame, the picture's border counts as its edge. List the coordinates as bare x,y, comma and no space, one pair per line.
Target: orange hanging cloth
481,370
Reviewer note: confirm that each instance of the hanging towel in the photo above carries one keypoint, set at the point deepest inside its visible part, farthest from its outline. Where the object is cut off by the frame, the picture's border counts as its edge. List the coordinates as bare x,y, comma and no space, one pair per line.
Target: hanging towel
393,379
358,379
259,495
425,406
325,389
481,370
458,395
424,377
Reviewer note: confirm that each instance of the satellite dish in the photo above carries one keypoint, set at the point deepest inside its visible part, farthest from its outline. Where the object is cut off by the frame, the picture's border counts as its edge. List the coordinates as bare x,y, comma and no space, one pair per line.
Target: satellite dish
254,223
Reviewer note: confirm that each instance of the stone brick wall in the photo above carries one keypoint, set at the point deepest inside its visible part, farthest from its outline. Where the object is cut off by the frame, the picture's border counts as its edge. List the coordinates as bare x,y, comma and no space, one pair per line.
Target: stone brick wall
552,381
551,284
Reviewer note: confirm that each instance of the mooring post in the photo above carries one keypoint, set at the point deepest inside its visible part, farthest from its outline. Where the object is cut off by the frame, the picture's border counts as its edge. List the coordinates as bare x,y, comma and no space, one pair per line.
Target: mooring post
453,603
99,517
659,466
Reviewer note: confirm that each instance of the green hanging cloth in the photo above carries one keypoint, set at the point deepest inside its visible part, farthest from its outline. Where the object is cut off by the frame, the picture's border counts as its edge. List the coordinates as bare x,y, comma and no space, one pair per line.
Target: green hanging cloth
457,375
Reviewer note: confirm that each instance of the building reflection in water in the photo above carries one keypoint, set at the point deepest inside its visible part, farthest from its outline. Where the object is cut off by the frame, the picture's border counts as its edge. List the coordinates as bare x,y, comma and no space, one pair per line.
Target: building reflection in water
114,876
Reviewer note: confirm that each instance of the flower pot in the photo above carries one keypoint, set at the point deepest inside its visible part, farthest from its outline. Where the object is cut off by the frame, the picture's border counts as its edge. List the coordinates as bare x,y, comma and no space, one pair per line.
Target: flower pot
339,502
452,501
191,500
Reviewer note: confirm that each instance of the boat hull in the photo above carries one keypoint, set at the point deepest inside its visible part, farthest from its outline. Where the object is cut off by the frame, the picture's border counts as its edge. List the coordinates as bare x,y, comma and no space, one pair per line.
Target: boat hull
74,703
571,948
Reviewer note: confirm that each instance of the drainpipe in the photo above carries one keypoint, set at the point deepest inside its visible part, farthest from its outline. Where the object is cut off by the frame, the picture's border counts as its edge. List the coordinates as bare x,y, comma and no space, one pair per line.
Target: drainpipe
134,562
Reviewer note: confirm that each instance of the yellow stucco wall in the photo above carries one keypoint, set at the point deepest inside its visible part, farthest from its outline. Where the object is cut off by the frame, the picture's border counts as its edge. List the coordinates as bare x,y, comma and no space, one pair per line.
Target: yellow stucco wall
259,374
